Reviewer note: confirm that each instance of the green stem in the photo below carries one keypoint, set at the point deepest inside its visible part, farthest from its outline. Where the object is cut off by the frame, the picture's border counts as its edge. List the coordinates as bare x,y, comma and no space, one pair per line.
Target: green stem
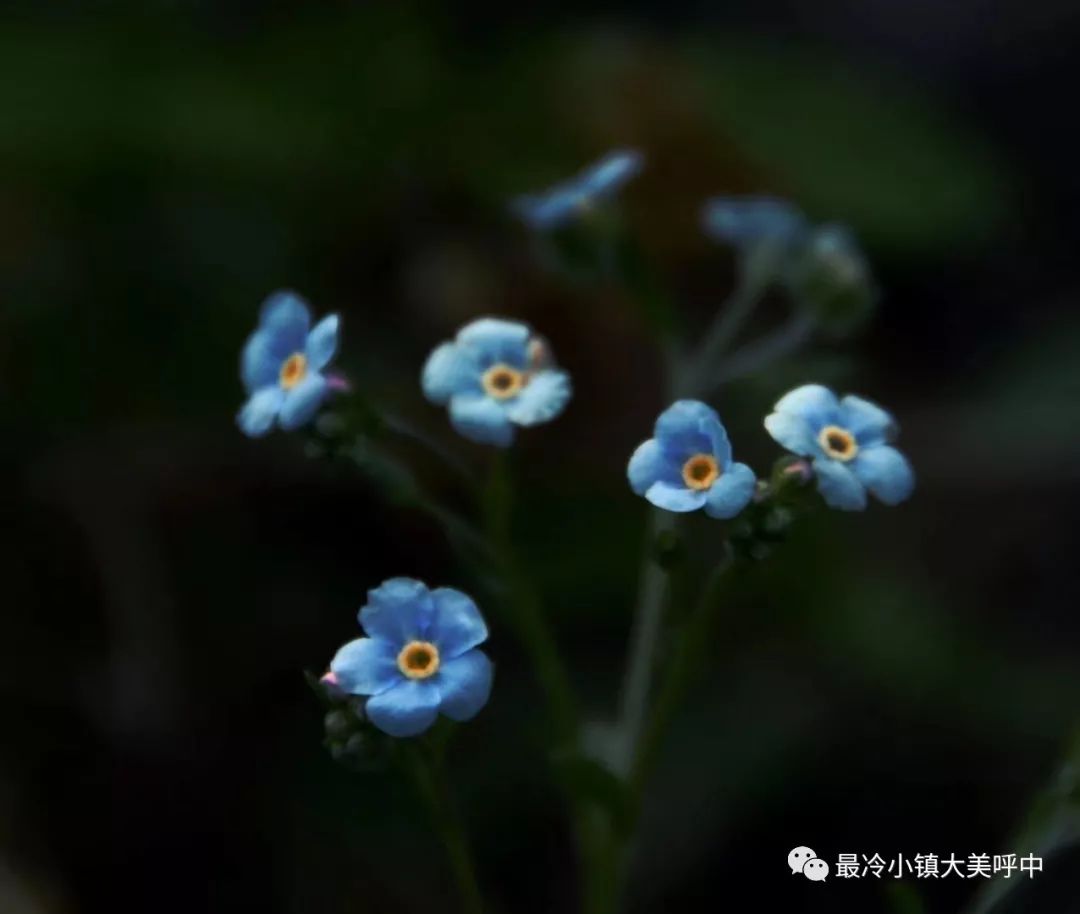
644,638
430,780
405,429
757,270
690,644
1052,822
601,852
527,612
762,352
598,854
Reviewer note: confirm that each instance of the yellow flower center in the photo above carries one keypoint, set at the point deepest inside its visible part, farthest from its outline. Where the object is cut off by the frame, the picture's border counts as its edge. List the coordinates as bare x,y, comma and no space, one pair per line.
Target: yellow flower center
501,381
419,659
293,370
838,443
700,471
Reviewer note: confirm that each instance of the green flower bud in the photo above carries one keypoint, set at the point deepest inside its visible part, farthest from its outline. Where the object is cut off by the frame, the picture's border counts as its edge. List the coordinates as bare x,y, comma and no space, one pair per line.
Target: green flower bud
832,279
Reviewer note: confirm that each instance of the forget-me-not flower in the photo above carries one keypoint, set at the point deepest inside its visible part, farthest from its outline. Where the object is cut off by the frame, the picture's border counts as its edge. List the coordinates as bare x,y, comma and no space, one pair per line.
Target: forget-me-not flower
746,222
688,465
282,365
494,375
848,443
564,202
419,659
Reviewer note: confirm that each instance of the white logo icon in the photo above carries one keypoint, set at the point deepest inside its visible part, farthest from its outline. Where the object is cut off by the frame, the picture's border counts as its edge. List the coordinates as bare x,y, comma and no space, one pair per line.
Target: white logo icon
798,857
804,860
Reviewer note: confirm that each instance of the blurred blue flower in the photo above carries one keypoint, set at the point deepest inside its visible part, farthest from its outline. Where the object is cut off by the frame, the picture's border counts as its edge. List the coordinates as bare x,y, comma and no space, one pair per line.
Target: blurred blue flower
419,659
847,441
746,222
566,201
495,374
688,465
282,364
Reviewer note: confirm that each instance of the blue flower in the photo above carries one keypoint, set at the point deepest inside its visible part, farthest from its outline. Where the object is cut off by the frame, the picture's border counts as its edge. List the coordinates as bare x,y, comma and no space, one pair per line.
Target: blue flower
565,202
495,374
282,363
746,222
847,441
688,465
419,659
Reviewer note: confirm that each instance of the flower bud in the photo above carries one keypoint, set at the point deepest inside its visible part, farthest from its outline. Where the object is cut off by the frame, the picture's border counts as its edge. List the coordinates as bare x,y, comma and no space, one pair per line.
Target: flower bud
832,279
337,724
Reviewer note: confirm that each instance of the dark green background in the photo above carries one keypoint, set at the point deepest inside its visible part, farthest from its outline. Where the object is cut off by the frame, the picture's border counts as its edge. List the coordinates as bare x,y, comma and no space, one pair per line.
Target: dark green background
901,681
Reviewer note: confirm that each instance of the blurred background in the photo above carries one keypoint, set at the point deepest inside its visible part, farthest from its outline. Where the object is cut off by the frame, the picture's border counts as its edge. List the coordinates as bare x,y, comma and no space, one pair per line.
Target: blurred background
904,681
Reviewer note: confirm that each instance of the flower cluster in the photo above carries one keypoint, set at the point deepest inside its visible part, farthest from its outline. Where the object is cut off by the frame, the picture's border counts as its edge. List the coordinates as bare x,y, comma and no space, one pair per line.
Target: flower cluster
419,657
821,266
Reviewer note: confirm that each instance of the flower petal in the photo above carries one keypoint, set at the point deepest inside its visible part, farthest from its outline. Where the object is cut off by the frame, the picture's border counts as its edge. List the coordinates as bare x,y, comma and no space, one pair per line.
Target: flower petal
260,363
407,709
465,685
449,370
565,201
792,431
542,399
303,401
456,625
675,498
322,343
612,171
398,611
748,221
286,318
547,211
838,485
479,418
816,404
684,428
731,492
649,464
366,666
718,438
491,340
885,472
257,416
867,421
